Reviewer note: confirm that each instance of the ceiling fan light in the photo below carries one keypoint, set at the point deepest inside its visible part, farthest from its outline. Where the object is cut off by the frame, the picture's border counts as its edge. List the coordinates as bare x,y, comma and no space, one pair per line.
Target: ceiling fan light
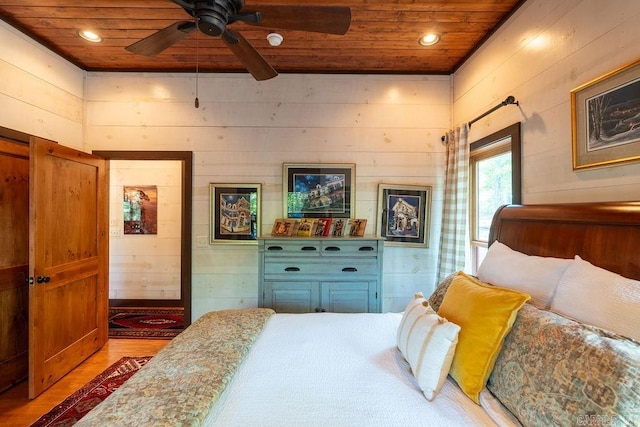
274,39
429,39
90,36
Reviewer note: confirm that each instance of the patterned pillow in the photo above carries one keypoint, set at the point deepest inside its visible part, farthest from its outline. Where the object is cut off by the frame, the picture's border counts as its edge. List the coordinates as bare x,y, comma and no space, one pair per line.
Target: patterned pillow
554,371
438,295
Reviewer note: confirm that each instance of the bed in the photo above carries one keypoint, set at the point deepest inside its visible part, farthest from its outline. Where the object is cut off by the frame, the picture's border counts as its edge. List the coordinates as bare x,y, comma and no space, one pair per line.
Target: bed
553,361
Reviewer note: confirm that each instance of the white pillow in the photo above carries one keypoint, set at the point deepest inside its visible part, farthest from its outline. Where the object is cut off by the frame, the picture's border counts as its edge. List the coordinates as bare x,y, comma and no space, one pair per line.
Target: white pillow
534,275
428,342
599,297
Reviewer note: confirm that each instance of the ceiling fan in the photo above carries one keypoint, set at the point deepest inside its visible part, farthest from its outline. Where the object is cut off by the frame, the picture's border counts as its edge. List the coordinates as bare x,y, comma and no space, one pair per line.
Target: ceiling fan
212,18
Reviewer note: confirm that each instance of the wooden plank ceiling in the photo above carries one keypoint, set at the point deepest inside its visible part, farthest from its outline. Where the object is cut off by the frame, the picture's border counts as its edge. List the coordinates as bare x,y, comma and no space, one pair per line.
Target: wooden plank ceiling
383,36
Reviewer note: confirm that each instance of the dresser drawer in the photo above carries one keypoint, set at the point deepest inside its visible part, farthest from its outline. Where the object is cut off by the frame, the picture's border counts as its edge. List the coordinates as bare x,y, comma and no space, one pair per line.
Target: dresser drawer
297,248
341,248
347,267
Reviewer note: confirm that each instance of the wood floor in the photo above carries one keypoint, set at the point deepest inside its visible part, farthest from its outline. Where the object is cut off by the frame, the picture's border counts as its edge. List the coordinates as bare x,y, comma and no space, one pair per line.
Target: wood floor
16,410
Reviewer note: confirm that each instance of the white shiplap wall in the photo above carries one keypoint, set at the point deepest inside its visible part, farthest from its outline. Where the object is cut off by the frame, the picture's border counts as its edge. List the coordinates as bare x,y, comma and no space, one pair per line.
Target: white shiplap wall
146,266
544,51
389,126
40,93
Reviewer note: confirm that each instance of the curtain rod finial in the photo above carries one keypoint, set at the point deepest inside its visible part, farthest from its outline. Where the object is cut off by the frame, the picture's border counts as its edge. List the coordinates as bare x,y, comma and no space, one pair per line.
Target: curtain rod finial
510,100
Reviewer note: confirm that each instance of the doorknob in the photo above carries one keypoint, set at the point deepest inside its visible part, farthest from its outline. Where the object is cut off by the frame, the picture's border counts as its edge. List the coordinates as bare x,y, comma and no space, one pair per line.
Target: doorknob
43,279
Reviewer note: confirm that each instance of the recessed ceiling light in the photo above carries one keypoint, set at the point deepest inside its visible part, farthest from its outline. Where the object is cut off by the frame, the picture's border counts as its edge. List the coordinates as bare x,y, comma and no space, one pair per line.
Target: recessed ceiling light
89,36
429,39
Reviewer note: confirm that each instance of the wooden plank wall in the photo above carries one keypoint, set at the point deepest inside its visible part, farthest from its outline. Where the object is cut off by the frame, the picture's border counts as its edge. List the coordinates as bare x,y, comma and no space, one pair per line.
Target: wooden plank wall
543,52
146,266
41,94
389,126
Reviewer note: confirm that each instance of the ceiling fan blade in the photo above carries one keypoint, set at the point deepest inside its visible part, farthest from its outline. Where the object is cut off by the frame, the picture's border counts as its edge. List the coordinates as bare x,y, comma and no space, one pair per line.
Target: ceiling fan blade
249,56
163,39
318,19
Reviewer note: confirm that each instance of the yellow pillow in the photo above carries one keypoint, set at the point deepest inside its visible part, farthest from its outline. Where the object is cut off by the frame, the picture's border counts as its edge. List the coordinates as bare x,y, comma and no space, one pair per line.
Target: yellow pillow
485,314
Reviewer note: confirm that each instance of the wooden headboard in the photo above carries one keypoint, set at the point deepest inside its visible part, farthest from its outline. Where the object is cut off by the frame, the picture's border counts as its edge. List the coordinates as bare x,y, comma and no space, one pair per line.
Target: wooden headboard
605,234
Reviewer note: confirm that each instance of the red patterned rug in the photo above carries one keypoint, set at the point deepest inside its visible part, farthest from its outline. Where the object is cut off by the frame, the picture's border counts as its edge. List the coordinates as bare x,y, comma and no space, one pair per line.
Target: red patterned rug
155,323
95,391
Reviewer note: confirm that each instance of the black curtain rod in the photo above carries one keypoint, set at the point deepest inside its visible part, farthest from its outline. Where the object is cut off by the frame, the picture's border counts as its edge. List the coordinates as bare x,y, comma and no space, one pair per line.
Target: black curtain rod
508,101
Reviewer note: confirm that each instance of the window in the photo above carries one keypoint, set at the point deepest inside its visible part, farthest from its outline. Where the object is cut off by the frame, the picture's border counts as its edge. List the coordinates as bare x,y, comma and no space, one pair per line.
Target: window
495,181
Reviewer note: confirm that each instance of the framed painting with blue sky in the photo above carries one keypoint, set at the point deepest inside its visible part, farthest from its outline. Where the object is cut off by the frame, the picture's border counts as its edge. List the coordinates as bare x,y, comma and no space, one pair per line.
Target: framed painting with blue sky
404,214
318,190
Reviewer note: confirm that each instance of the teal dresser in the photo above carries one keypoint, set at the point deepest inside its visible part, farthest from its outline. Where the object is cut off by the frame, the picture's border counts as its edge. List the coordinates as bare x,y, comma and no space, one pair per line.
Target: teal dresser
302,275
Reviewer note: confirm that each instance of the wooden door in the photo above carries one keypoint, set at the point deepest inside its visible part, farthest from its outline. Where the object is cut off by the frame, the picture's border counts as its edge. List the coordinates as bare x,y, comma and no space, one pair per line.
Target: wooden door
14,262
68,299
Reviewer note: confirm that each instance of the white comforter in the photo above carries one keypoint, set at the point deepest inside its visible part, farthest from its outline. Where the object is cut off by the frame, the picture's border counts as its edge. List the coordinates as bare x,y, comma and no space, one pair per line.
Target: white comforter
330,369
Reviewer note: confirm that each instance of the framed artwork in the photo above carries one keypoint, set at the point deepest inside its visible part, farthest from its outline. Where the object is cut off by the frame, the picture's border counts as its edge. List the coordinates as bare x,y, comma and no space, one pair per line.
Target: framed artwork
140,209
404,214
235,213
605,119
357,227
318,190
306,227
323,227
283,227
339,225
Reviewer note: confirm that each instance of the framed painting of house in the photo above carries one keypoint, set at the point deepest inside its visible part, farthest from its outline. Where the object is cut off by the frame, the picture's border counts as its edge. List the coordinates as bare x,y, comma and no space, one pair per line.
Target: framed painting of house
318,190
605,120
235,213
404,214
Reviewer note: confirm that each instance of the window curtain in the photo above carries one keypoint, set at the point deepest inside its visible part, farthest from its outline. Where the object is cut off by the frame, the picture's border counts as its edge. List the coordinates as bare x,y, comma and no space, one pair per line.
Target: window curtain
453,235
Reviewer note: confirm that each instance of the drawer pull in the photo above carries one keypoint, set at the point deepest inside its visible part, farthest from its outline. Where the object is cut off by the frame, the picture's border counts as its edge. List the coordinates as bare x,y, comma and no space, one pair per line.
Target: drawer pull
367,249
332,248
274,248
292,269
349,269
308,248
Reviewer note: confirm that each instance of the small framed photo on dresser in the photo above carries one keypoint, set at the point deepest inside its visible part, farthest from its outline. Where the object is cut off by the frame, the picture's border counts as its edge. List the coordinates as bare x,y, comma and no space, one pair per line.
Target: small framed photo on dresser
305,227
323,227
339,225
283,227
357,227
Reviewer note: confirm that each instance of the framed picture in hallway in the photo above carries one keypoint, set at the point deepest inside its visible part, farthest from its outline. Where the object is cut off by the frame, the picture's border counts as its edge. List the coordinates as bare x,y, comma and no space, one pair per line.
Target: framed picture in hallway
404,214
318,190
235,213
140,209
605,119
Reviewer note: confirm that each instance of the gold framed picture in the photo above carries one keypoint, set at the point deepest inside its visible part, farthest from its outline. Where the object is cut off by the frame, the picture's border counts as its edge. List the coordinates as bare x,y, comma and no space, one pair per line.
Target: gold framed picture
605,119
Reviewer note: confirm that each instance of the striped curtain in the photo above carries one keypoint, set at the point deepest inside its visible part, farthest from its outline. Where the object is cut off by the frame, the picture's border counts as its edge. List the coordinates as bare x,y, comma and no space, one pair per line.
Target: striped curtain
454,232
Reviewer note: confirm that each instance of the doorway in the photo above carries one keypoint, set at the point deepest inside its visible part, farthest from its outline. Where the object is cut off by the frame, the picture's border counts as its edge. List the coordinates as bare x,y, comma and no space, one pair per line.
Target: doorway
146,293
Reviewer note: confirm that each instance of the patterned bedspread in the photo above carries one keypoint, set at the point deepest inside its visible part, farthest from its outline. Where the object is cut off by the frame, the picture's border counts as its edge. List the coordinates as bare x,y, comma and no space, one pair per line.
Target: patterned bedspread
185,379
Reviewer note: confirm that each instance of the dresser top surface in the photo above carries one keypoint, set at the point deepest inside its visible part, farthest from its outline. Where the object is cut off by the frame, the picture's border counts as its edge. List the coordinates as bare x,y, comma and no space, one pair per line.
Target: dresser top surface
328,238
